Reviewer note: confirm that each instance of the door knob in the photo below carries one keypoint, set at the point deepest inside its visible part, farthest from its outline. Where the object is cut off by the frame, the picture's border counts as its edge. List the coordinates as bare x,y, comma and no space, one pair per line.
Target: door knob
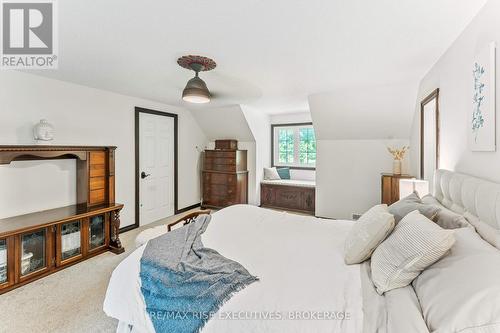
145,175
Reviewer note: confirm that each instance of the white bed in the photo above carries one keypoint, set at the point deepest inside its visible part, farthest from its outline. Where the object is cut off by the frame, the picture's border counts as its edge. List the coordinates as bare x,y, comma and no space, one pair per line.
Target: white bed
299,260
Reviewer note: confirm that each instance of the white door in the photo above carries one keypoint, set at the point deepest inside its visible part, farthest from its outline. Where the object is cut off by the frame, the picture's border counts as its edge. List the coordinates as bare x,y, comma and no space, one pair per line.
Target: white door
156,167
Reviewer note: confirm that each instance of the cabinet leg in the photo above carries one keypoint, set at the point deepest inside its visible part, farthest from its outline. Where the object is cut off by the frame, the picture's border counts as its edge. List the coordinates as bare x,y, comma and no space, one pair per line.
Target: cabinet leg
115,244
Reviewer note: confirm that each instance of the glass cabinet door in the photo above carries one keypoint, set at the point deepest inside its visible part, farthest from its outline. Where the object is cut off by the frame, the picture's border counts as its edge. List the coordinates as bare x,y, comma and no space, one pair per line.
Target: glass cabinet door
3,261
33,256
97,234
71,240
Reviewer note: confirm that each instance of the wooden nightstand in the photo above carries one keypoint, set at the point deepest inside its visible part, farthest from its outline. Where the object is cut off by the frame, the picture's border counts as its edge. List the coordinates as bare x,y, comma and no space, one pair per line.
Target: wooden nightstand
390,187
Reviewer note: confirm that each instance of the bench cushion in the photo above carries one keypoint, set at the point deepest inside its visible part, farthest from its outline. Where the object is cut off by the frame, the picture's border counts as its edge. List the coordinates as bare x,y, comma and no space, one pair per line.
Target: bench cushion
291,182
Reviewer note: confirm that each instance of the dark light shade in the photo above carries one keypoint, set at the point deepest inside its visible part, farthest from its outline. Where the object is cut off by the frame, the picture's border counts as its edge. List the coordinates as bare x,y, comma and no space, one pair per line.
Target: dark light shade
196,91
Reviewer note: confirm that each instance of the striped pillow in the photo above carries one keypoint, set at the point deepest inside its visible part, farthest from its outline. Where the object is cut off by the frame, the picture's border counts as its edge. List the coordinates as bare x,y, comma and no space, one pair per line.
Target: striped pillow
415,244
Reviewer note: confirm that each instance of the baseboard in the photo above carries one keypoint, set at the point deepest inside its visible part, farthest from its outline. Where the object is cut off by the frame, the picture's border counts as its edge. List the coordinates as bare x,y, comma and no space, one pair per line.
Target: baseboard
185,209
325,218
128,228
178,211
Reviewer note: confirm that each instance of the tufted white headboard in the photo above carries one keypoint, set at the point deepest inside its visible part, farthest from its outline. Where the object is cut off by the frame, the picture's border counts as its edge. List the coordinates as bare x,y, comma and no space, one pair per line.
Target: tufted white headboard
477,199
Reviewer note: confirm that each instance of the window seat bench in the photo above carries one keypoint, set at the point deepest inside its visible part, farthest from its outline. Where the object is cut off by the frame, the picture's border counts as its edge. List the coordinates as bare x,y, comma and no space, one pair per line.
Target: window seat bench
288,194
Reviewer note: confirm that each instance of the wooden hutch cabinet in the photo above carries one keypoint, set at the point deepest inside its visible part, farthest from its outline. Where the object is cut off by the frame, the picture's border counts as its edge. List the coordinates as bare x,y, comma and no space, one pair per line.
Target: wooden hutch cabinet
225,178
37,244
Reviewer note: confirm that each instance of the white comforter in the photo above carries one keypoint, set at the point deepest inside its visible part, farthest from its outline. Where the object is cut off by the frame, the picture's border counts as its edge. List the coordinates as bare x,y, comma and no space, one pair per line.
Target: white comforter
298,259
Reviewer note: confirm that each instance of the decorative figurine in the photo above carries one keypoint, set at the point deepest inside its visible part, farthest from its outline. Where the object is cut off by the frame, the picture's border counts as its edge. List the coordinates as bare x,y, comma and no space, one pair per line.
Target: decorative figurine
43,132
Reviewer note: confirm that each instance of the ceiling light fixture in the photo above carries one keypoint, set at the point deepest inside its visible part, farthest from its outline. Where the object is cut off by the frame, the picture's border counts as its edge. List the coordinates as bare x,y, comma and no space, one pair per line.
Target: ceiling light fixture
196,90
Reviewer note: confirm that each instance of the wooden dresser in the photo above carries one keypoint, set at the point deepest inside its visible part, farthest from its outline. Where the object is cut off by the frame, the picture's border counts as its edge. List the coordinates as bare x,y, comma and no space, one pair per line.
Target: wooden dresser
41,243
390,187
224,178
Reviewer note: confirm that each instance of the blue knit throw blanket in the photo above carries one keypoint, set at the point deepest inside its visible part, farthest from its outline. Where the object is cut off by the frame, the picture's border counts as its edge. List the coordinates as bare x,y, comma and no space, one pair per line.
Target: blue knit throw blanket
185,283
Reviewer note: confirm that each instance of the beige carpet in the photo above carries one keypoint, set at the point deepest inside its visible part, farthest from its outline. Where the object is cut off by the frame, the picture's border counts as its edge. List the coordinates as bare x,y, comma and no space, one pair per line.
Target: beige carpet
68,301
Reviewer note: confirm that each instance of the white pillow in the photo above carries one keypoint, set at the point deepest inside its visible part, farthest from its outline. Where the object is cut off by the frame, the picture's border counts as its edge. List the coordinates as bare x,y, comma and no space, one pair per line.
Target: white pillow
461,292
415,244
271,174
487,232
367,233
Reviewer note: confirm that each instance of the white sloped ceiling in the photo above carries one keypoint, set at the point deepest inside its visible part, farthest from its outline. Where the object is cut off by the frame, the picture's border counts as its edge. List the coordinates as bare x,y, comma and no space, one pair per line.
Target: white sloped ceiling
363,112
224,123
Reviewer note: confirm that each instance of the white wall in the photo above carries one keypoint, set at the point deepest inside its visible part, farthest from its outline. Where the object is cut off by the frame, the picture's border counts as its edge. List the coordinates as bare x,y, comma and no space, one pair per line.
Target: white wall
453,75
227,122
354,127
296,117
303,174
83,116
348,175
364,112
230,123
260,126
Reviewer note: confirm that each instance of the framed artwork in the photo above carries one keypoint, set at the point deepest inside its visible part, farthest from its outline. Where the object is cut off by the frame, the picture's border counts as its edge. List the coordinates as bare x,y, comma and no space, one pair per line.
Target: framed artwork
482,121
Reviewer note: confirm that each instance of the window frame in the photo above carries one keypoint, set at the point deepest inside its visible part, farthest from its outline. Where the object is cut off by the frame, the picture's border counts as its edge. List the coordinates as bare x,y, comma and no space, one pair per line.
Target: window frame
273,153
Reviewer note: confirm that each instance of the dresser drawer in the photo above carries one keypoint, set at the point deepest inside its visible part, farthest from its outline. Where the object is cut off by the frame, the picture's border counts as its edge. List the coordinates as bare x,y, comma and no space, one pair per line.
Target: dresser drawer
97,170
224,178
219,201
220,154
219,178
219,190
220,160
97,197
97,157
220,167
97,183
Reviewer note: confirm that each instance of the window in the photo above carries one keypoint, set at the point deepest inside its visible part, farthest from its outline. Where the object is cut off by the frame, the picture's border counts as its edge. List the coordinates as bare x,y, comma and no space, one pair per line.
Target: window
294,145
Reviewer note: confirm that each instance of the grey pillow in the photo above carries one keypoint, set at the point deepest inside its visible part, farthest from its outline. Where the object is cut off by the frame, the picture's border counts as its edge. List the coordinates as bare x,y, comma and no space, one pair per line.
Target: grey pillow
446,218
410,203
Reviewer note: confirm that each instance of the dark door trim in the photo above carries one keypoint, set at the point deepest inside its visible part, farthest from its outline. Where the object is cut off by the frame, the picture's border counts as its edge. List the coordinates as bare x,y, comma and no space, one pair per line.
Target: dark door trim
430,97
272,144
138,111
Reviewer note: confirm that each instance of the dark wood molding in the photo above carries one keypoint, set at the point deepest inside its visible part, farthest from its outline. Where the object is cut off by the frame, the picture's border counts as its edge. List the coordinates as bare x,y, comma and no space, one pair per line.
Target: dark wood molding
294,167
425,101
185,209
46,152
179,211
50,147
272,146
128,228
291,124
138,111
